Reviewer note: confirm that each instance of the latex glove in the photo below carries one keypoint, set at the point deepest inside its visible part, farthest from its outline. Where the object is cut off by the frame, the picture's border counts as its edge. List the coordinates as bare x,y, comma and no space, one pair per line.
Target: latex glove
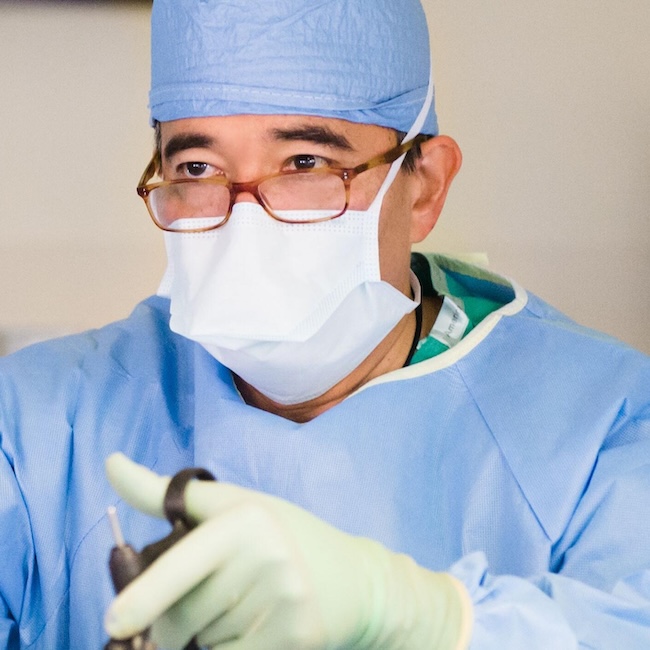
261,573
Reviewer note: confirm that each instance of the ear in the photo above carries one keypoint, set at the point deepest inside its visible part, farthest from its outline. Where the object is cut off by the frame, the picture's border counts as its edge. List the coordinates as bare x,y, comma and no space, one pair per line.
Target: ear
435,170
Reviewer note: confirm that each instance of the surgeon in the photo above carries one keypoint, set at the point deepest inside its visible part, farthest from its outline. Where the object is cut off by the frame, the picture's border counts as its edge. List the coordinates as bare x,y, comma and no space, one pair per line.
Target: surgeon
412,453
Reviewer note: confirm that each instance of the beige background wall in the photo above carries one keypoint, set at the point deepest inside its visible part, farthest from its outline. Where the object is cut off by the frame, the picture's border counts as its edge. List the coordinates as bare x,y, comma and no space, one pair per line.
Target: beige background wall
550,103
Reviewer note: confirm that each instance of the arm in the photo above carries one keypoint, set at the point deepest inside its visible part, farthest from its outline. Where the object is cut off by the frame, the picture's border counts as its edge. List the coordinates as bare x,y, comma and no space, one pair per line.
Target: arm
597,593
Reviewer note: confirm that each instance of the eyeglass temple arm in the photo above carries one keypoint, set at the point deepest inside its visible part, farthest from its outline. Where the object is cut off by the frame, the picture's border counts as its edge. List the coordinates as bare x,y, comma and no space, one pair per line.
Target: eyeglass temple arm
149,172
391,155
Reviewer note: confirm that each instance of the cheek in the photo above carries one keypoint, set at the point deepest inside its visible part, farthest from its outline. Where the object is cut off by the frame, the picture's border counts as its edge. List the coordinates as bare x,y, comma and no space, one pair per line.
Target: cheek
361,197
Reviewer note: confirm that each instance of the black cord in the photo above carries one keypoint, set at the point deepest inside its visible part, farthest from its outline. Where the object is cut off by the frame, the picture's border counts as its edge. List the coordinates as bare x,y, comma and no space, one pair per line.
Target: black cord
416,336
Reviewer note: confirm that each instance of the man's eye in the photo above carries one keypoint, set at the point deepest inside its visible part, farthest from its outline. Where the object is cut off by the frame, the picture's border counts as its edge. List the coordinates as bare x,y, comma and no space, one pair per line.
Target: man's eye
305,161
195,170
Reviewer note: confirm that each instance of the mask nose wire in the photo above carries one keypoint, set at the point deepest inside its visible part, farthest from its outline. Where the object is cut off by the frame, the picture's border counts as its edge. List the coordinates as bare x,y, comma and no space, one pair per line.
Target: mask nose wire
413,131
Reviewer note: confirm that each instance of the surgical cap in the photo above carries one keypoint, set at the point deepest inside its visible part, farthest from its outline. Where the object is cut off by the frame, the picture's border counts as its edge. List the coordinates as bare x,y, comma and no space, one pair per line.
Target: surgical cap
365,61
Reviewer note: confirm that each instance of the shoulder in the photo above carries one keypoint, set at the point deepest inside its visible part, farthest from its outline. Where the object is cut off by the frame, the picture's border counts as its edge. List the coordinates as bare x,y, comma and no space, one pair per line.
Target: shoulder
555,395
47,384
550,393
126,344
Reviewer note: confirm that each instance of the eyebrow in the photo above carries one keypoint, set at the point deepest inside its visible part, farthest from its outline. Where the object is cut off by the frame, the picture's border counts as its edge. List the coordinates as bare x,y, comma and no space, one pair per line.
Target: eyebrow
184,141
308,133
316,134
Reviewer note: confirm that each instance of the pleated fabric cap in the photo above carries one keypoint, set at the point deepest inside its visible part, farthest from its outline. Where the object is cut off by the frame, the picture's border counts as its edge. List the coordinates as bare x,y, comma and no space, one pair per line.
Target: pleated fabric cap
365,61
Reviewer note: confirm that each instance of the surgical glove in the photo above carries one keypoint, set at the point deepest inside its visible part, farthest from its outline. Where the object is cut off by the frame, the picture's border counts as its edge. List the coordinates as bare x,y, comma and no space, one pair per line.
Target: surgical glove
259,573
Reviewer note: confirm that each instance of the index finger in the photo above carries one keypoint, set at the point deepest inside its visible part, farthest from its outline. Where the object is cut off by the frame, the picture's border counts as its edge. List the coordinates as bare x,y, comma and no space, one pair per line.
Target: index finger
176,572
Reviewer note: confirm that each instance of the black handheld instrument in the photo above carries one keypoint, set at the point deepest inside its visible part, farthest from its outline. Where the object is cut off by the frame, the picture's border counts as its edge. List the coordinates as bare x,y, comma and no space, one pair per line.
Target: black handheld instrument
126,564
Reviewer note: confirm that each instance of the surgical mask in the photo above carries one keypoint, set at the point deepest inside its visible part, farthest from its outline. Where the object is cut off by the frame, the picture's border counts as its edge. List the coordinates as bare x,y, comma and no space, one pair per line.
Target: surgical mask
290,308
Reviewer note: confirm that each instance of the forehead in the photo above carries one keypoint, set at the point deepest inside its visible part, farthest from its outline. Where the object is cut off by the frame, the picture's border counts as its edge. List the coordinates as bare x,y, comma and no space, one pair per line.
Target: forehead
239,129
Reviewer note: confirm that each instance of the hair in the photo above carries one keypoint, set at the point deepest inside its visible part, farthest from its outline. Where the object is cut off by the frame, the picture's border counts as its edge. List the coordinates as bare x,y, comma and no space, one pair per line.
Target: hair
413,154
410,161
157,141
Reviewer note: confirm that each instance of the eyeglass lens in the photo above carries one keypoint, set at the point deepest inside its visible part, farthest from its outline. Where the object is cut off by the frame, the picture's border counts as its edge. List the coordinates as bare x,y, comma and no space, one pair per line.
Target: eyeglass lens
294,198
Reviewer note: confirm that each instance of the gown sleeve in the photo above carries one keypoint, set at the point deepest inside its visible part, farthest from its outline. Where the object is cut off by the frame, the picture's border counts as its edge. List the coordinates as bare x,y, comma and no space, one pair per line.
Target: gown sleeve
596,594
15,551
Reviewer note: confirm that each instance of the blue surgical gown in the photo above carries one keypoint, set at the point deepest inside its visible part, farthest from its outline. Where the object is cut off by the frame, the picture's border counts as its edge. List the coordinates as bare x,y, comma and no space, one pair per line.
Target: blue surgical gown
519,460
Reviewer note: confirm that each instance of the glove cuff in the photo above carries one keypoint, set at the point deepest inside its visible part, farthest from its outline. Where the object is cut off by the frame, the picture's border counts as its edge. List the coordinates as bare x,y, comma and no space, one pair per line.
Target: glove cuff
465,612
414,608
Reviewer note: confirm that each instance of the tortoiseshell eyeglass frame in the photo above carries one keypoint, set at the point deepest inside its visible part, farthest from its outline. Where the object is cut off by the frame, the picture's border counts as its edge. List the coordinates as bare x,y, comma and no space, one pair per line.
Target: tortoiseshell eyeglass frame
145,188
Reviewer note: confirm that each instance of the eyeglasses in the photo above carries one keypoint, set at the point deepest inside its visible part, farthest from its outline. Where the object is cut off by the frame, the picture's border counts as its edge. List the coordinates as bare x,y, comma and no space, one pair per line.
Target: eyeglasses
294,196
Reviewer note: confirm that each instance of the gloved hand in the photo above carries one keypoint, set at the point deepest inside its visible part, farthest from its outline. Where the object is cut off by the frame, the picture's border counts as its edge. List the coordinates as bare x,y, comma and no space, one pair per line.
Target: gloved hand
259,573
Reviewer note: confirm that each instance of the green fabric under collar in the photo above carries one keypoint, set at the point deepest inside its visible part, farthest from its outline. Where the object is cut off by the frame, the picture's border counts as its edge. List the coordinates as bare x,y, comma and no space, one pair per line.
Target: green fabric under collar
435,281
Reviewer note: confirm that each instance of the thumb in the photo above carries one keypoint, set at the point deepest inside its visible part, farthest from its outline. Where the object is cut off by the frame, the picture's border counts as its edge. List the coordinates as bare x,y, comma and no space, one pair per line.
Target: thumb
137,485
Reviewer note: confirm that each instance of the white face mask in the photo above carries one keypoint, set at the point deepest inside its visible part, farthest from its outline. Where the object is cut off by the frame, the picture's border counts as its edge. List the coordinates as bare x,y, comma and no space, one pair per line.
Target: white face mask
291,309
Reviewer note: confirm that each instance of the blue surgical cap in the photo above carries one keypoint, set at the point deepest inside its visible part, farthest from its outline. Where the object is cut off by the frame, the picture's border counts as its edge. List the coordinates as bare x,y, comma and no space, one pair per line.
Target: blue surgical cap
365,61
